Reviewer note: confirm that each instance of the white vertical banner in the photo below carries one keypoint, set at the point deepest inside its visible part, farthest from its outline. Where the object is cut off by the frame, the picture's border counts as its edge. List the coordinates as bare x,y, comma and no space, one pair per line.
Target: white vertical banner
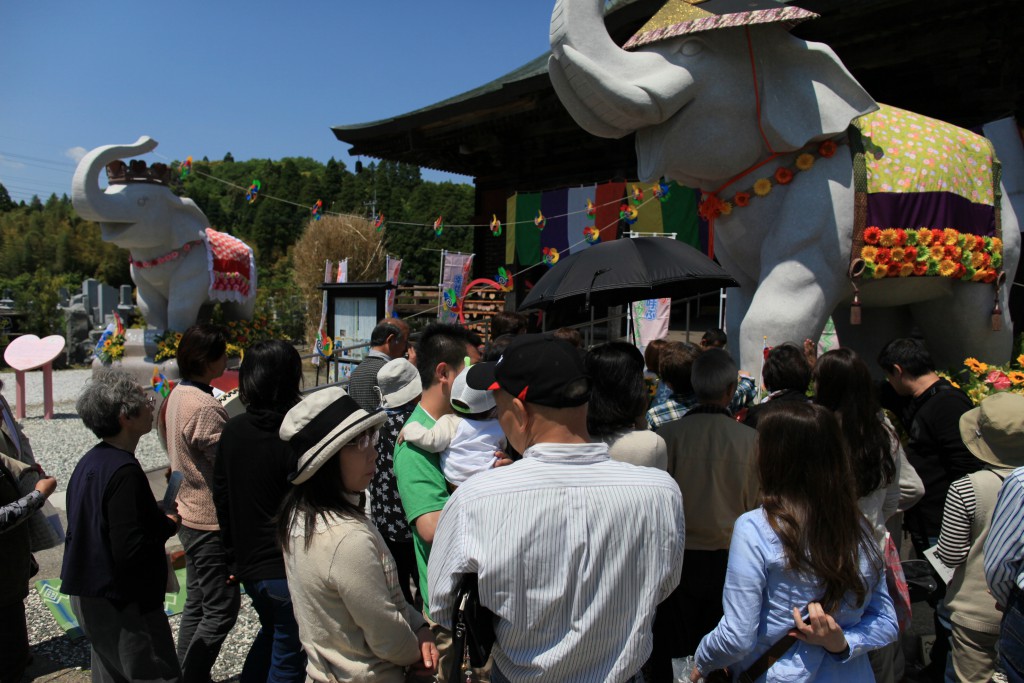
392,269
343,271
455,269
651,318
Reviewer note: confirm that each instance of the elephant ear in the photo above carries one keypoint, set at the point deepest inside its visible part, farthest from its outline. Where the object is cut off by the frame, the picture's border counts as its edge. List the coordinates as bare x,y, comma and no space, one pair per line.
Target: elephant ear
806,92
188,222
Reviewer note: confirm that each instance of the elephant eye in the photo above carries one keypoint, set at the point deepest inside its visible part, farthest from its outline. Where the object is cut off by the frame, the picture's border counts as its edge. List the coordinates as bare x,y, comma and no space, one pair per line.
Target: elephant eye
691,48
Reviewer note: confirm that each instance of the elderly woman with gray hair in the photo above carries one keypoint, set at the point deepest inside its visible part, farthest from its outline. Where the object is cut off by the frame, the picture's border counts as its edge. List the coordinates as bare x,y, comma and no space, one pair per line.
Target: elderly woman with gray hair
114,565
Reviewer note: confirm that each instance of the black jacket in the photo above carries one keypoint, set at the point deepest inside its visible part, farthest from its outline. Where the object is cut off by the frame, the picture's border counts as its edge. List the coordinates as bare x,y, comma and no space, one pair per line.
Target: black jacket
250,479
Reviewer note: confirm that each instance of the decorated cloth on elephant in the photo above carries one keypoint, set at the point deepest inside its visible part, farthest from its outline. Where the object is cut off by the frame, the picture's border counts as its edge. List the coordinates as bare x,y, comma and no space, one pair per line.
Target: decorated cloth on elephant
927,199
232,267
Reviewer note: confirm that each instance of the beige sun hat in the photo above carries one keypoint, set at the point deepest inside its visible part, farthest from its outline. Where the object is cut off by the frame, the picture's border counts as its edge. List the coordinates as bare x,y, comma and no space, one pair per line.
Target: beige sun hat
681,17
398,382
994,431
320,425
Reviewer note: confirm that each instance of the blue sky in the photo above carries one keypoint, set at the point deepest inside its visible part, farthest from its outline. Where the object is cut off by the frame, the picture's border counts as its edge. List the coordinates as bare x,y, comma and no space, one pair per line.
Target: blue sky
257,79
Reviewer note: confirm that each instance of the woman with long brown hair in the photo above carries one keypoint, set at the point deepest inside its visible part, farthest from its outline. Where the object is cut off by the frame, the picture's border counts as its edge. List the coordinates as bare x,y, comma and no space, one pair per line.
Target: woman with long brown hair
803,565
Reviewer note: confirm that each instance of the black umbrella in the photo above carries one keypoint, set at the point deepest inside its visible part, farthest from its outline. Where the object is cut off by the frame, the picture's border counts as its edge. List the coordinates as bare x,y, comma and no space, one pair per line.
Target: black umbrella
625,270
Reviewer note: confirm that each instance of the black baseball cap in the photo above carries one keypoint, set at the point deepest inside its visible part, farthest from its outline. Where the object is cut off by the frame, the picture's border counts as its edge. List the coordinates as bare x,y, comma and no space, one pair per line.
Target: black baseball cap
536,368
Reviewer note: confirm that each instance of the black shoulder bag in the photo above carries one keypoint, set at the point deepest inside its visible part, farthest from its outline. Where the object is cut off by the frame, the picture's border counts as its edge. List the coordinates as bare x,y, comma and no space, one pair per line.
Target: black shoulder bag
472,628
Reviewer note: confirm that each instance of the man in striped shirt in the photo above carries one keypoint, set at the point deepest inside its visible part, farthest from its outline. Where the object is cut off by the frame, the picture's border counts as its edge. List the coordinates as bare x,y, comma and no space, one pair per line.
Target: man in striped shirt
573,551
1004,570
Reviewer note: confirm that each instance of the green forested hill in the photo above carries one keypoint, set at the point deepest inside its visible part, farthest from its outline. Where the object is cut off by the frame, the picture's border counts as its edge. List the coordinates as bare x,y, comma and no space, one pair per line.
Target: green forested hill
44,245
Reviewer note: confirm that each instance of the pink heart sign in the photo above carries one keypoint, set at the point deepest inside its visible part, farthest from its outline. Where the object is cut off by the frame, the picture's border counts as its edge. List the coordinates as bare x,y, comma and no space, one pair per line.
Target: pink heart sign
29,352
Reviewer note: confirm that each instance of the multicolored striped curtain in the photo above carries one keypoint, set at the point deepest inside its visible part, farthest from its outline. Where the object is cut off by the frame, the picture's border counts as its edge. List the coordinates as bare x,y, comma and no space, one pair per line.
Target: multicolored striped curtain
565,213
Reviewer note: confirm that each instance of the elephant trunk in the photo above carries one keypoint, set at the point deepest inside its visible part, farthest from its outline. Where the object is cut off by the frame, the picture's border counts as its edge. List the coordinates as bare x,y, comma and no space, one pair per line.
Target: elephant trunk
608,91
89,200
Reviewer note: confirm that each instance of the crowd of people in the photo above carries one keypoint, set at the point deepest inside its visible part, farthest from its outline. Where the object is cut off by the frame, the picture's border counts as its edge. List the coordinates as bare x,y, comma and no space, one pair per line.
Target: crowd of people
607,511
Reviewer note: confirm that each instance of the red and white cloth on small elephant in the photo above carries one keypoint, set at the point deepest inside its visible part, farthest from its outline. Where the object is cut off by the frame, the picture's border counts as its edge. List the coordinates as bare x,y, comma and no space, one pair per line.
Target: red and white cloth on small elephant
232,267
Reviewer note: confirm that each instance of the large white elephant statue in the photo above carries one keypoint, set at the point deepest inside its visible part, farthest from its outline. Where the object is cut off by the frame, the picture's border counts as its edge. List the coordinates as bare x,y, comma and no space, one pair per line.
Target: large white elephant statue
178,262
720,102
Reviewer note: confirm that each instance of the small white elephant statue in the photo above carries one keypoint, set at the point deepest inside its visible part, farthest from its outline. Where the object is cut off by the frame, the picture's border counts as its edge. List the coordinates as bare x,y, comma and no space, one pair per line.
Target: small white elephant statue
178,262
722,103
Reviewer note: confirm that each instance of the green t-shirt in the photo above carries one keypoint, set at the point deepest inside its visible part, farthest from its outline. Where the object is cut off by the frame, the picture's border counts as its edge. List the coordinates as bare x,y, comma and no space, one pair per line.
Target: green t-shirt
423,489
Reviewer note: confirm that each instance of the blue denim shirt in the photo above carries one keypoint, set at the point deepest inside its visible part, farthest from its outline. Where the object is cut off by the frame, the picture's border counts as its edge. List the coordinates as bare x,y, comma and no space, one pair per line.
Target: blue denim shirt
759,597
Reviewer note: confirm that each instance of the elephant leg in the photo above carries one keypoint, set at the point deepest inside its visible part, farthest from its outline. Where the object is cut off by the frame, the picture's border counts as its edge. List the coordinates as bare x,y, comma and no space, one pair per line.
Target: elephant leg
960,325
790,305
152,302
877,328
737,304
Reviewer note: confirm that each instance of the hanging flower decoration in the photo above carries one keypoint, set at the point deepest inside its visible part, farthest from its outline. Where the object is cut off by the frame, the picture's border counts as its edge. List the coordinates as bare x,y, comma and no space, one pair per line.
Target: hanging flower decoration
439,226
550,256
762,187
451,300
540,221
495,225
629,214
638,195
710,207
896,252
186,168
741,199
661,191
591,208
379,222
504,279
315,211
827,148
783,176
591,234
253,192
805,161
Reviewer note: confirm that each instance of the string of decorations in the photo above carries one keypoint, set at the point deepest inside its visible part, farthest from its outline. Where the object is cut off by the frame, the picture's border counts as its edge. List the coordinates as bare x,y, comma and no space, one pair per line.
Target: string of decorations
627,212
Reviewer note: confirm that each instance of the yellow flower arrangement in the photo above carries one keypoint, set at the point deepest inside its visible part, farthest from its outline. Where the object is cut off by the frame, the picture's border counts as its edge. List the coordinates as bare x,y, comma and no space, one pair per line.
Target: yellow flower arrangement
936,252
726,208
805,161
899,254
906,269
950,237
924,237
946,268
881,271
1016,376
869,253
762,187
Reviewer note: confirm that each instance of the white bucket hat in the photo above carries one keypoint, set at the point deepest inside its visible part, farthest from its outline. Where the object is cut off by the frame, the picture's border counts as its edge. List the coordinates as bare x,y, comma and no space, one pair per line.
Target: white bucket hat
398,382
320,425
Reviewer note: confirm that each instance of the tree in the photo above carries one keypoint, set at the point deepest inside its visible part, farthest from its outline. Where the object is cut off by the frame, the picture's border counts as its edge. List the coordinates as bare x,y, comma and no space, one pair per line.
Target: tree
228,159
5,200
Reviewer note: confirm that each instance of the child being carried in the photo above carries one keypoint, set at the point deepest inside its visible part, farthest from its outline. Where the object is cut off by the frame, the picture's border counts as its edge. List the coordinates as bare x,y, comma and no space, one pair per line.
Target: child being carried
468,439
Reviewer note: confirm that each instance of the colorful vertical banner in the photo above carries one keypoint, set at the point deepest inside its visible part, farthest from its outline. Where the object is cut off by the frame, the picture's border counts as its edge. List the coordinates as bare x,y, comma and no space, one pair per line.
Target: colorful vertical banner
323,345
454,275
392,268
651,319
679,215
342,271
555,235
579,219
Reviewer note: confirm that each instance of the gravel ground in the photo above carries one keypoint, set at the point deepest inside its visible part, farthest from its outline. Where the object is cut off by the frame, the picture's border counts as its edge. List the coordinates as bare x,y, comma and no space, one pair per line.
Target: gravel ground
57,444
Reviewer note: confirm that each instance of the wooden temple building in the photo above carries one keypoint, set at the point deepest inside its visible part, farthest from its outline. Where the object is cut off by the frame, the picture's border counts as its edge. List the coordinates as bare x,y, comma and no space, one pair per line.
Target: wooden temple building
956,60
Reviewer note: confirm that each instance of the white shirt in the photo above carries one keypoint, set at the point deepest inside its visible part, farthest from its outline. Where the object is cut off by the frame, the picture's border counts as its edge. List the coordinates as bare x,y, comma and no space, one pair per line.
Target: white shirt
573,552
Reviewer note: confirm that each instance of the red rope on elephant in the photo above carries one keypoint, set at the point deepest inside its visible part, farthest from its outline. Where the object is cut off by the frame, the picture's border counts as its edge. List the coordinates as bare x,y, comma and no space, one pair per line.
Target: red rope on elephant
710,204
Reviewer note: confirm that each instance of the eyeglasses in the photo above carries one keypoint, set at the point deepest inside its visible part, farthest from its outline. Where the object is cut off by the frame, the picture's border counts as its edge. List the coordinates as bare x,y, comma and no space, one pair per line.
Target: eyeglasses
368,438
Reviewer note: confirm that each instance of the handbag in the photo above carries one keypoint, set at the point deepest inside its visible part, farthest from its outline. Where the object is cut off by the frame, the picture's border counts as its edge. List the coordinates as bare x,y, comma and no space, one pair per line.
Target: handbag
45,529
472,628
896,583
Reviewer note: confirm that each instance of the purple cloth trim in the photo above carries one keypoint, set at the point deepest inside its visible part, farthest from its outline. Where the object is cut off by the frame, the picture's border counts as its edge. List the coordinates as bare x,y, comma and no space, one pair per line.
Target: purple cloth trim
936,210
555,205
